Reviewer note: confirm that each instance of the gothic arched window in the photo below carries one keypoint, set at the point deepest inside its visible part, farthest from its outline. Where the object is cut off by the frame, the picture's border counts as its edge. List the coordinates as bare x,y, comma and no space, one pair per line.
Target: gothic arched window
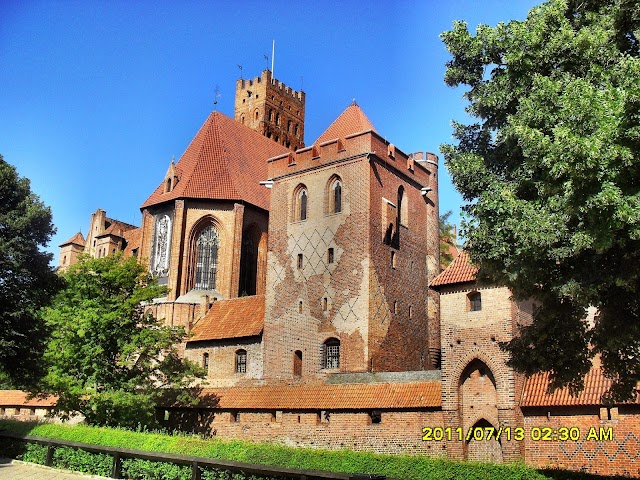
334,195
300,203
206,259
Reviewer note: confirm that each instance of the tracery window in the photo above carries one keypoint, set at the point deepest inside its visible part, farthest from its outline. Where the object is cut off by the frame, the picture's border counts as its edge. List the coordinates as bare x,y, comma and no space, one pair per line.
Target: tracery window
206,259
161,248
331,353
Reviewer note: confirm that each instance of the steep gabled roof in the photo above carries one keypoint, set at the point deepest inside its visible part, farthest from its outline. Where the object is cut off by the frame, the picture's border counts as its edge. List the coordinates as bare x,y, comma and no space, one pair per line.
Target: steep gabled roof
226,161
459,271
234,318
352,120
77,239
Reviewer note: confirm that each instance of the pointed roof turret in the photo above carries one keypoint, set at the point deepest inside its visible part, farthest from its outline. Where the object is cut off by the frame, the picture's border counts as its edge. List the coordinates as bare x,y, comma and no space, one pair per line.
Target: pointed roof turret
77,239
225,160
352,120
461,270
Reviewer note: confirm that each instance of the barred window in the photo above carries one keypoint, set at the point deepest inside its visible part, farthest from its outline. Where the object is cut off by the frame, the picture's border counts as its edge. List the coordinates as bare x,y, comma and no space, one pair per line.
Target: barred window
205,361
475,302
241,361
331,353
207,259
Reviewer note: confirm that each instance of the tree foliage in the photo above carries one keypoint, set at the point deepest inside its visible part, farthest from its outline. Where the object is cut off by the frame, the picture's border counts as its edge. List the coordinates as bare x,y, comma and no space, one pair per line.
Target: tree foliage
109,359
447,239
551,174
27,281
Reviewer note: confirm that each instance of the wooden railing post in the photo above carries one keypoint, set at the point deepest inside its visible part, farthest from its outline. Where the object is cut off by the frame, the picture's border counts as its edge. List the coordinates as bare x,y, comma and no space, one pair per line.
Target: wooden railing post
195,471
49,460
117,466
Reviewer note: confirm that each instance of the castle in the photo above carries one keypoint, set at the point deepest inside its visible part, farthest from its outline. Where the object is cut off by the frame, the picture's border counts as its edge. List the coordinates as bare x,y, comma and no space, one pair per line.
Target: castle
309,279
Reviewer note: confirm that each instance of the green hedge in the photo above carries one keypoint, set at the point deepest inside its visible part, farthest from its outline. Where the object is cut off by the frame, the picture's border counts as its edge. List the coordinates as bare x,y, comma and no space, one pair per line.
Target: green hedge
398,467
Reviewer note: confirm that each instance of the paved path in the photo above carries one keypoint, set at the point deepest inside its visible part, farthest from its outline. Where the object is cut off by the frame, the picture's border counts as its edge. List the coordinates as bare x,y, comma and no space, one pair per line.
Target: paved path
28,471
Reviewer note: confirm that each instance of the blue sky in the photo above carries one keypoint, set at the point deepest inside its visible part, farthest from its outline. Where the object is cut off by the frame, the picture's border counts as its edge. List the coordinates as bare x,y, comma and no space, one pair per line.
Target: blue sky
96,97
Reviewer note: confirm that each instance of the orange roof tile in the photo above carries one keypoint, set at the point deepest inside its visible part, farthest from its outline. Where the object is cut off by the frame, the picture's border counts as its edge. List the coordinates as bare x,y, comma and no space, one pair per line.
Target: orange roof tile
77,239
352,120
595,385
235,318
134,240
330,396
18,398
225,160
459,271
117,228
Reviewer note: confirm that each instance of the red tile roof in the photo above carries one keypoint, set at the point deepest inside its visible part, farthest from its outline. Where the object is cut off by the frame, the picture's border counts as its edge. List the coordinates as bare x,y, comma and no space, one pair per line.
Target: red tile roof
330,396
352,120
459,271
225,160
595,384
134,240
18,398
235,318
77,239
117,228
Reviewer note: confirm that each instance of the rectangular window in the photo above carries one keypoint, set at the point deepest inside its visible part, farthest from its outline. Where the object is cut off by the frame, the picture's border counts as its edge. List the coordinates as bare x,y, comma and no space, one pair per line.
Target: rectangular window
330,255
241,361
300,261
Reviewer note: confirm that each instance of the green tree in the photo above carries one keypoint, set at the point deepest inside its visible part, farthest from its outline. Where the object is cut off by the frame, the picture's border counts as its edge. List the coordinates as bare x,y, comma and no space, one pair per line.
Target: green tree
109,359
447,238
27,281
551,174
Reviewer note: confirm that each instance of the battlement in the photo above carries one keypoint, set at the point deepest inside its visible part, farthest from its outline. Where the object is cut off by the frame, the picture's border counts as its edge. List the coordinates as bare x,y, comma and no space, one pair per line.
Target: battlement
418,165
265,80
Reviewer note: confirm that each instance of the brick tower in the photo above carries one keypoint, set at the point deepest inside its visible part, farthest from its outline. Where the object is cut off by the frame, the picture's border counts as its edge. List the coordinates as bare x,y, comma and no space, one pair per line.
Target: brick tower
272,109
353,242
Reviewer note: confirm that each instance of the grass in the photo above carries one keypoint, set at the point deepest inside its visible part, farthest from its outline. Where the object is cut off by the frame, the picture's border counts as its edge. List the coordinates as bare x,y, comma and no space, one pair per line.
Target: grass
393,466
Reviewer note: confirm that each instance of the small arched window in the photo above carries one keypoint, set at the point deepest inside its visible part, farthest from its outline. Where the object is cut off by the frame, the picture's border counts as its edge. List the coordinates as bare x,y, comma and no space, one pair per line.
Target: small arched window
300,203
257,114
241,361
334,195
475,301
297,363
242,119
205,362
331,353
277,119
64,260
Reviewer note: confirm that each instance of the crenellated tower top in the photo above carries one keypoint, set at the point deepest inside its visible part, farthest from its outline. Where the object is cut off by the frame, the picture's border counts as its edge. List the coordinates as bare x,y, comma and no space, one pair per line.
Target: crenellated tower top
271,108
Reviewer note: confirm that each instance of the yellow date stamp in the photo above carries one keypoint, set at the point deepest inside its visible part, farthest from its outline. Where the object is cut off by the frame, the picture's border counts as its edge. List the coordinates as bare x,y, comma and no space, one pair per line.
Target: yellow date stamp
536,434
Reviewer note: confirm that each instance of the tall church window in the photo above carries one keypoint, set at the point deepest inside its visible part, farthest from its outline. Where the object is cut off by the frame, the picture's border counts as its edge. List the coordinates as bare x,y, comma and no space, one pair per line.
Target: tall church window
207,259
331,353
162,244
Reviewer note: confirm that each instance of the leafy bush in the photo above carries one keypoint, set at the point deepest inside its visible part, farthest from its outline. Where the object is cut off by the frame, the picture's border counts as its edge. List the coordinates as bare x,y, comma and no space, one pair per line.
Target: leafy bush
82,461
137,469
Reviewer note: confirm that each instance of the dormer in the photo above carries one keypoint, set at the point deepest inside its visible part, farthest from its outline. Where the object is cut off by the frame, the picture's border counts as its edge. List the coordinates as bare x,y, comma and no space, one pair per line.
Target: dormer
171,177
